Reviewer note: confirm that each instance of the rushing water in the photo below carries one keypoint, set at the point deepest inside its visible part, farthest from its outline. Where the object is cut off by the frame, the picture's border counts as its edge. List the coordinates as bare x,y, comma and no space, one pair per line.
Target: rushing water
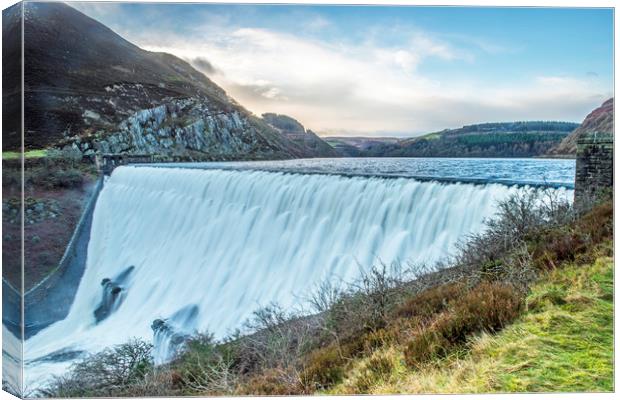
179,250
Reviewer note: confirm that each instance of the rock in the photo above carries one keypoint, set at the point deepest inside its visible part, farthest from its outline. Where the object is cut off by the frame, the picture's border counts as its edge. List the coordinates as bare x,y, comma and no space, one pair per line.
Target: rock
112,294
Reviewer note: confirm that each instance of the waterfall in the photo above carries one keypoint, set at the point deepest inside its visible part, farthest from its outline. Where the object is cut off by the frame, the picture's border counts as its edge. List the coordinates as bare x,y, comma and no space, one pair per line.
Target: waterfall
174,251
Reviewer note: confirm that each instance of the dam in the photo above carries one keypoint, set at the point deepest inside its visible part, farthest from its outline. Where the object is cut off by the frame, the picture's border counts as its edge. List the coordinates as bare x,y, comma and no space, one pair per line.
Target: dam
202,248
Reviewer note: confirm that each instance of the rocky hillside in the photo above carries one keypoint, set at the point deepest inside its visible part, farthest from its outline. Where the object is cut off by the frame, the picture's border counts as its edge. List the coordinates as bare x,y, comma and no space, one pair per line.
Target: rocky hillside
599,120
88,88
313,145
503,139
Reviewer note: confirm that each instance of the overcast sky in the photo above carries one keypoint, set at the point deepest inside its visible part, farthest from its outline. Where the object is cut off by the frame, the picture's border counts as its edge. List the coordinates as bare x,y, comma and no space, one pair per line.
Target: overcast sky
398,71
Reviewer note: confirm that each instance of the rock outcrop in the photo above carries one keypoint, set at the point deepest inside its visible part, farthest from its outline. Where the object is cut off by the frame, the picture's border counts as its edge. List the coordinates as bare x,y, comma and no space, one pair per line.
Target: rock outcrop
189,127
112,294
600,120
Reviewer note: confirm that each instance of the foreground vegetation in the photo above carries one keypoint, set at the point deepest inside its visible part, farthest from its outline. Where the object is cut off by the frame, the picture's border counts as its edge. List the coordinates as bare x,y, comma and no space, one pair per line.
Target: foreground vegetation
526,306
563,342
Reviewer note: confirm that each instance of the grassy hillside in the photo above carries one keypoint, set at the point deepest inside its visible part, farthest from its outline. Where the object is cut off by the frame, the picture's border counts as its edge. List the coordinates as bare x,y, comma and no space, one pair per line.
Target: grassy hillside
562,343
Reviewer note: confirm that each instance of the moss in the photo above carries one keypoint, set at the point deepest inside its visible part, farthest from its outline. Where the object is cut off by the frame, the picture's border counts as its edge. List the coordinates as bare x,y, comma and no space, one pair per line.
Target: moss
14,155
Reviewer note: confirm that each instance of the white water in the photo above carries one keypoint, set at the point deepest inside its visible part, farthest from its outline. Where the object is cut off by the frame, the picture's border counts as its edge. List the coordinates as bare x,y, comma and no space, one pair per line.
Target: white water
231,241
11,361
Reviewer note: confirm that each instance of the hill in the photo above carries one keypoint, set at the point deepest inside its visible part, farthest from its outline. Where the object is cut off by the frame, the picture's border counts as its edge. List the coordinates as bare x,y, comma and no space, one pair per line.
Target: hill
503,139
599,120
88,88
295,132
355,146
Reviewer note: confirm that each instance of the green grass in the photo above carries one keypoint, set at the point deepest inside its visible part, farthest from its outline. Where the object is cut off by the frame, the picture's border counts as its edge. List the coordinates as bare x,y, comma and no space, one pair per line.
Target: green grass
13,155
566,342
562,343
431,136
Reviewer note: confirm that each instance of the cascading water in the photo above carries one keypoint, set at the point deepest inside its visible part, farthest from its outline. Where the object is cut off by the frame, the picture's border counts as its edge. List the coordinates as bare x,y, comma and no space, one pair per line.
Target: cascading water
205,248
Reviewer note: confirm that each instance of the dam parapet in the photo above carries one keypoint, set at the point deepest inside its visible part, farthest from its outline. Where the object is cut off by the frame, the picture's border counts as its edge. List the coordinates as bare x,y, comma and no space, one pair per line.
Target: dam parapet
594,172
107,162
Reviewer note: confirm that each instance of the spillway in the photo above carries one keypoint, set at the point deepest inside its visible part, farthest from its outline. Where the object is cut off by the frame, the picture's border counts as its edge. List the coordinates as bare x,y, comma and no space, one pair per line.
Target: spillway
203,249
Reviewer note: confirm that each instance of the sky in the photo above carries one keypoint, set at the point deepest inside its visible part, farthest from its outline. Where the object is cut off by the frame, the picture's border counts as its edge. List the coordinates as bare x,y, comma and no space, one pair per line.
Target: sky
384,70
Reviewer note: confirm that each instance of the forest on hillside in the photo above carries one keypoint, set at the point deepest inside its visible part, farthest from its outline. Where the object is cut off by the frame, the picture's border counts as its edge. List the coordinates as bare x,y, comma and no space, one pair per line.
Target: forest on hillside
503,139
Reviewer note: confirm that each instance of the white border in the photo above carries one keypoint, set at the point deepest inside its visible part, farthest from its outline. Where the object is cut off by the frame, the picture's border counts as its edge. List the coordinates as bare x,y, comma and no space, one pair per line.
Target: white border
479,3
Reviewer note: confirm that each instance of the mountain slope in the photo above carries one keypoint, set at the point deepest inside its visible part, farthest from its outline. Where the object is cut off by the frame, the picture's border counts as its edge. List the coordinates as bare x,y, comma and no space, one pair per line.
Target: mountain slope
356,146
599,120
503,139
295,131
88,88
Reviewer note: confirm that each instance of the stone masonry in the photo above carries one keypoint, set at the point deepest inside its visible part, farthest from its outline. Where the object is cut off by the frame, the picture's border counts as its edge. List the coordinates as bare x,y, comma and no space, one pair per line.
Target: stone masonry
595,167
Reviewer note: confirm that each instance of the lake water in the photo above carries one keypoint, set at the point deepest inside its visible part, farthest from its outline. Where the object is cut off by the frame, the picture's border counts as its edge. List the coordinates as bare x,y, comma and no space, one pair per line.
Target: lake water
530,171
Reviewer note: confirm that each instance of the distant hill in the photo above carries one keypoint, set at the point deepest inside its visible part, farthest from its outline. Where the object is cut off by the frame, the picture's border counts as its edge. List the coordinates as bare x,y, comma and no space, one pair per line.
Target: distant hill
294,131
356,146
88,88
599,120
501,139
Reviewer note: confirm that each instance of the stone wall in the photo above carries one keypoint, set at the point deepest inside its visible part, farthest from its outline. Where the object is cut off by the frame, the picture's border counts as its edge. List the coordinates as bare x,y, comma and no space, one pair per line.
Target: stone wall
595,167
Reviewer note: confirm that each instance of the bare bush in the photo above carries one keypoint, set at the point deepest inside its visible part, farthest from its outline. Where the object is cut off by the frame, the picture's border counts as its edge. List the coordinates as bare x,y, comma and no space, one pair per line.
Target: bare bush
365,305
277,343
518,217
105,373
325,296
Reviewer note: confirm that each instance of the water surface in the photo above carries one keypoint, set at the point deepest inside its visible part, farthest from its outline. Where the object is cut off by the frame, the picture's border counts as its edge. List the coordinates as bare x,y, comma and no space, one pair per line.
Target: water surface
509,171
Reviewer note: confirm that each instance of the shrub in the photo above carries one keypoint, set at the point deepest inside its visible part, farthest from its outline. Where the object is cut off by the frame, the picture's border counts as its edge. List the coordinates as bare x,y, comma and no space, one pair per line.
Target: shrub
205,367
51,178
279,339
106,372
271,382
375,369
597,224
376,339
488,307
518,218
367,304
557,244
324,368
430,301
424,346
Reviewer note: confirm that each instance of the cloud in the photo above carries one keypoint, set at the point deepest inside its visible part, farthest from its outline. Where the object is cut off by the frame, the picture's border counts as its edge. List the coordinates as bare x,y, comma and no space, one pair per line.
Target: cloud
203,65
372,85
429,46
